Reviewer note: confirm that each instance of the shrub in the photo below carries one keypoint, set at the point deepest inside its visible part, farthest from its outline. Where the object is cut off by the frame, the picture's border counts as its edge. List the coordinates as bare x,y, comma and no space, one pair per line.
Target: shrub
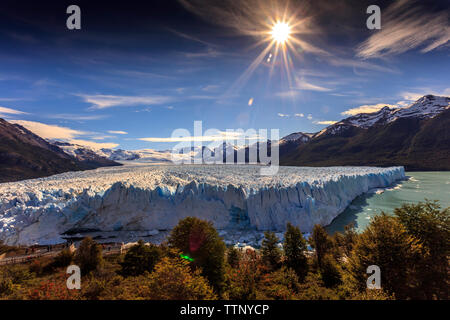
94,289
89,255
18,274
139,259
174,280
63,259
6,287
54,288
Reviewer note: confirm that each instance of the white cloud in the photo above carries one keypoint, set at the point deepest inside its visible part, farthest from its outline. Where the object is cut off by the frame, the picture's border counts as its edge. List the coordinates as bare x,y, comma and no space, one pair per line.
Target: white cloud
220,136
358,64
420,92
309,117
304,85
327,122
108,101
288,94
406,26
48,131
10,111
367,109
301,115
75,117
94,145
117,132
282,115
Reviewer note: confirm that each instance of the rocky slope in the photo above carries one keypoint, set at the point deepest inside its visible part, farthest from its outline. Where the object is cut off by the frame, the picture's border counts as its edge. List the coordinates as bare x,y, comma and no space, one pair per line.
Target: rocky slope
417,137
24,155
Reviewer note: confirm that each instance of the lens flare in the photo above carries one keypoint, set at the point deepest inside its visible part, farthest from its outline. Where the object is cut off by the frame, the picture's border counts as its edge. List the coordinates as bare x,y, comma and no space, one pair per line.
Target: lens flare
280,32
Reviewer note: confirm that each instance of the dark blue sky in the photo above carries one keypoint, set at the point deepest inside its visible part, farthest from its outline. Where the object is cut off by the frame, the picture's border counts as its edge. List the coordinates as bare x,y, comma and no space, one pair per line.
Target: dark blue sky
137,70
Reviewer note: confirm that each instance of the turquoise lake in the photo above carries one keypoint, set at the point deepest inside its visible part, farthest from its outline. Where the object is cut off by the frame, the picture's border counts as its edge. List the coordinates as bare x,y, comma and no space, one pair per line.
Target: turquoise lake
420,185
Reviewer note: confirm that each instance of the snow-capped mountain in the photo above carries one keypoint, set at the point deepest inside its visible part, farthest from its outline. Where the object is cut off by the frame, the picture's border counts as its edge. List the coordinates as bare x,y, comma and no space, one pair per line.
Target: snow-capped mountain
144,155
417,137
296,137
25,155
428,106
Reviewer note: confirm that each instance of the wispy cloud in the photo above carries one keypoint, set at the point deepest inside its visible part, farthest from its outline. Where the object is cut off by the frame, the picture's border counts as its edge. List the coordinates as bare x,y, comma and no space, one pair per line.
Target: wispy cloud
326,122
418,93
108,101
301,115
220,136
48,131
95,145
283,115
10,111
208,53
117,132
358,64
302,84
368,109
406,26
76,117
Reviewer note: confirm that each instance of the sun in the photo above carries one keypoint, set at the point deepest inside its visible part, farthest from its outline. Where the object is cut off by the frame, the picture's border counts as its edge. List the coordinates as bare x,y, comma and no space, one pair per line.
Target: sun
280,32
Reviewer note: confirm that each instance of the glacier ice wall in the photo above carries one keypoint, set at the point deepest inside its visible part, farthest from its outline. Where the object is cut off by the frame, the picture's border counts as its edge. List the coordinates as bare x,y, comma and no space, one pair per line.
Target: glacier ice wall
148,197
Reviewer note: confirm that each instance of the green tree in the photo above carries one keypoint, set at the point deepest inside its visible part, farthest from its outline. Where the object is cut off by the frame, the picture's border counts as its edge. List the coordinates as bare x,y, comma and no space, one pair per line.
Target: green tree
200,241
294,250
321,242
271,254
174,280
385,243
329,271
344,241
139,259
233,257
89,255
431,226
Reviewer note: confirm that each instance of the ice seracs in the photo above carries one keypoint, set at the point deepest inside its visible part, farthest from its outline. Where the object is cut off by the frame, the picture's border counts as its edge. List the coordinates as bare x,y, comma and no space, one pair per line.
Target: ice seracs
156,197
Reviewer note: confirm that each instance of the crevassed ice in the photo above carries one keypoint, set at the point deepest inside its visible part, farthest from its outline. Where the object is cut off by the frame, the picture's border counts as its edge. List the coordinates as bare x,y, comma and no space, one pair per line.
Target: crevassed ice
148,197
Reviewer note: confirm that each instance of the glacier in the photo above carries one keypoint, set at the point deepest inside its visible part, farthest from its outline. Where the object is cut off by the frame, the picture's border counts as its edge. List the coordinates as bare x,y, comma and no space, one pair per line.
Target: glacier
141,197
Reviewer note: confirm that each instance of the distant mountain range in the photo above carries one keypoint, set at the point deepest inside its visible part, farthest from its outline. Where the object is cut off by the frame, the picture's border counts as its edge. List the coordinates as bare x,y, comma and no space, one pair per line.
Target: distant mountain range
24,155
417,137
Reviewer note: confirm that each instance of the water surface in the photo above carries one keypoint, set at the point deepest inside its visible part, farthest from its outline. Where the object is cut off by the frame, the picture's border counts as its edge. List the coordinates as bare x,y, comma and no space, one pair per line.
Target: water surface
420,185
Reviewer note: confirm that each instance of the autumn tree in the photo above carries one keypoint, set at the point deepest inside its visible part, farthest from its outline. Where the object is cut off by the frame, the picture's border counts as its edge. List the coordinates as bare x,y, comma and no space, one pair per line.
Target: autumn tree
199,240
173,279
139,259
294,250
431,226
387,244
